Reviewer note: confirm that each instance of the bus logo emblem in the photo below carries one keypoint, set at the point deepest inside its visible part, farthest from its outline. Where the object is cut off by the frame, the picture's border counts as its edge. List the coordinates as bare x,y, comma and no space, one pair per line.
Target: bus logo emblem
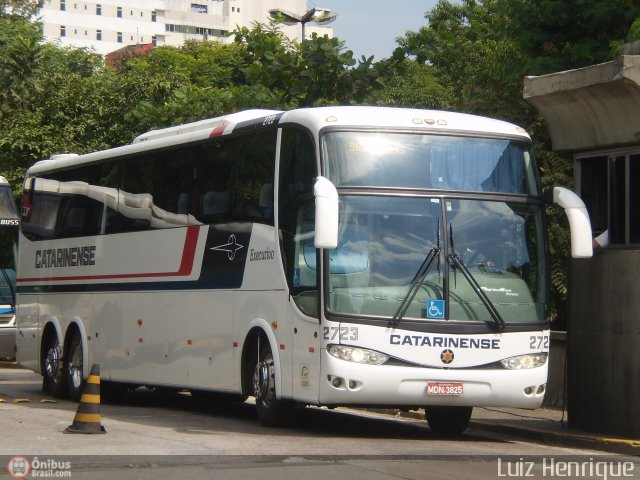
231,247
447,356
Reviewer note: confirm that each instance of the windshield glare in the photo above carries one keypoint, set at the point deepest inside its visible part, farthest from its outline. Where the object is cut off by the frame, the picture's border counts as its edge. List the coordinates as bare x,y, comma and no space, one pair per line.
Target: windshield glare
383,242
407,160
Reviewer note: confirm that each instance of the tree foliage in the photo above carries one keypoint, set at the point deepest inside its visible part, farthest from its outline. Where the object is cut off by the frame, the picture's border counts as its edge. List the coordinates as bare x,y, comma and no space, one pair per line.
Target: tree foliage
261,69
558,35
484,49
415,85
18,9
55,100
471,55
52,100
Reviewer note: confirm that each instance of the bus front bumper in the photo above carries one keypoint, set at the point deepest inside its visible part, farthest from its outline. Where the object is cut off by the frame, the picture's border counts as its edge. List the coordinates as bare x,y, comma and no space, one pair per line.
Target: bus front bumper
348,383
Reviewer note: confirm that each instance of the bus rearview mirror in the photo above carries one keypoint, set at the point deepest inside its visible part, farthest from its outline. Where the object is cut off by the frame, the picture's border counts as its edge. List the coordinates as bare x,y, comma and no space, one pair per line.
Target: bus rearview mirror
579,223
326,214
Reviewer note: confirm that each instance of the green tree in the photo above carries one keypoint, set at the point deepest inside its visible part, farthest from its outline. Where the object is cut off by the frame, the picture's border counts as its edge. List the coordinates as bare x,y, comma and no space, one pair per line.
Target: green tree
20,50
261,69
415,85
484,49
52,100
318,71
469,47
18,9
556,35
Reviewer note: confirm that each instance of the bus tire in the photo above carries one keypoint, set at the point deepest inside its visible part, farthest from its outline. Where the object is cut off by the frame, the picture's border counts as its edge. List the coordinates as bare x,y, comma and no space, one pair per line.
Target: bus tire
74,368
272,411
448,421
53,377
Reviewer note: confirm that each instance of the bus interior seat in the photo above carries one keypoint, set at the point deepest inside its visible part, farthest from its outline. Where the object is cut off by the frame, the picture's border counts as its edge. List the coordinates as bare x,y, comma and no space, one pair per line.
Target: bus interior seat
183,203
75,224
265,201
214,203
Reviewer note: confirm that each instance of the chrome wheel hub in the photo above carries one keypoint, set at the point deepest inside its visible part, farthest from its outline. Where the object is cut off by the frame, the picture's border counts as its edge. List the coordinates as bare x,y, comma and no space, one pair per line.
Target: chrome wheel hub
75,368
52,362
263,382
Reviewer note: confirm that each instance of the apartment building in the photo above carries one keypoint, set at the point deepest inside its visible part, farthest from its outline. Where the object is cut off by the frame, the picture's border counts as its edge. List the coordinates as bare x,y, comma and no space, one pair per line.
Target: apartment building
109,25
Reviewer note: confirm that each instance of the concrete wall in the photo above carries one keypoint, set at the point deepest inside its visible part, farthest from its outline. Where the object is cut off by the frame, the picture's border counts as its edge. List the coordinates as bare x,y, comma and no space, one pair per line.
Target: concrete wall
554,398
603,343
591,107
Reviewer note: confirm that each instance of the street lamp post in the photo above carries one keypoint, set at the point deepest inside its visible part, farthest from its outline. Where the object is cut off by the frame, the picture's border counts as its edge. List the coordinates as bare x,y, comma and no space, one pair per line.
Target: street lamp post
321,16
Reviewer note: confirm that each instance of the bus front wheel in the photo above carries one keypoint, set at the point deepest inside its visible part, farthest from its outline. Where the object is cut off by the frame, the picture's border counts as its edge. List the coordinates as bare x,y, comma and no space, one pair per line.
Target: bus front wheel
271,410
53,378
448,421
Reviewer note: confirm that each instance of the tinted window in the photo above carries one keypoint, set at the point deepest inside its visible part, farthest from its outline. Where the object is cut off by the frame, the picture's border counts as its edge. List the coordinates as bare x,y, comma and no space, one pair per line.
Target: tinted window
428,161
296,218
212,184
228,179
252,177
234,179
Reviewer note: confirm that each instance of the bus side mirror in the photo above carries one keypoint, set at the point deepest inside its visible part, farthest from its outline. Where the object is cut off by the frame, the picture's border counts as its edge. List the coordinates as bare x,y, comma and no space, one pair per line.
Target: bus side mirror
579,223
326,214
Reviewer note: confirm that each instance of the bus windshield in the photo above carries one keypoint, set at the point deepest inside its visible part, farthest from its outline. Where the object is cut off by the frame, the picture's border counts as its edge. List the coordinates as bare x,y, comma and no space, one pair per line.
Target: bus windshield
384,240
490,263
405,160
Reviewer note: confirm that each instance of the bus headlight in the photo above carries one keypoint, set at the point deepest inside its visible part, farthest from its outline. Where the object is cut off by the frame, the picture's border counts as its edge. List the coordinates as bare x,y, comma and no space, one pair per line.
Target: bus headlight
357,355
531,360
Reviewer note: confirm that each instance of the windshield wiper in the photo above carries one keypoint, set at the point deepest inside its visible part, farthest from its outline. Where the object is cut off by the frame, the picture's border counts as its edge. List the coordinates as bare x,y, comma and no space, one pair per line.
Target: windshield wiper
498,321
415,285
417,280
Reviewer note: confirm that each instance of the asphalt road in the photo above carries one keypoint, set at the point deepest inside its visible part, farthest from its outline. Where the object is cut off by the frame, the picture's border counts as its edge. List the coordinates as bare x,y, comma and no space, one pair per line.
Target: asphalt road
151,434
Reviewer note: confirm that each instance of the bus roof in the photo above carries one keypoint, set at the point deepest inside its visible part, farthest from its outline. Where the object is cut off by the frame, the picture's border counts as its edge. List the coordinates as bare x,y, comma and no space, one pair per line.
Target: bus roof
431,121
427,121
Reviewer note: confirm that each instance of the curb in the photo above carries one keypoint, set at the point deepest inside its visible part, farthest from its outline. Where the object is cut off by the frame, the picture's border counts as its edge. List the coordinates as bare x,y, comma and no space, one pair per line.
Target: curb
9,364
621,446
566,439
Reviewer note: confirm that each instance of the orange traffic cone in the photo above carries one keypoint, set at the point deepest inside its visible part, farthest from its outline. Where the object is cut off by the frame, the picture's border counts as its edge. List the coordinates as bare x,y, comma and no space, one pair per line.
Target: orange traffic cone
87,419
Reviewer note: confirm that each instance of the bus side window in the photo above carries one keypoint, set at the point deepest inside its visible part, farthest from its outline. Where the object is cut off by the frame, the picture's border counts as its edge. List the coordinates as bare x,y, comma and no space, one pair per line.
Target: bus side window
296,217
253,177
211,196
80,216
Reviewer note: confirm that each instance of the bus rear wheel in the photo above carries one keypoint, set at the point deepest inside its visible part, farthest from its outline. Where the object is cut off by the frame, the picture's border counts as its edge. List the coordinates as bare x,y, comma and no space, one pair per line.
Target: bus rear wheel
272,411
448,421
74,368
53,378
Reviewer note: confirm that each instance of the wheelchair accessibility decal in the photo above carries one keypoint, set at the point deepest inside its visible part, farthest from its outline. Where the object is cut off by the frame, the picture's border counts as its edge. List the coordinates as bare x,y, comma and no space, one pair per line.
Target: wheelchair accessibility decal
435,309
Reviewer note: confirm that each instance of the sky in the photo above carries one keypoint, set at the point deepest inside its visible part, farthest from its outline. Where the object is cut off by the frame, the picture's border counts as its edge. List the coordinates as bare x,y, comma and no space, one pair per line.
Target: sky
370,27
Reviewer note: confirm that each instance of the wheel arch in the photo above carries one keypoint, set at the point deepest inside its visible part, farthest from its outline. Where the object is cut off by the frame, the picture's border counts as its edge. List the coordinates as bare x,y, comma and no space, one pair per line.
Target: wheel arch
76,326
51,327
258,330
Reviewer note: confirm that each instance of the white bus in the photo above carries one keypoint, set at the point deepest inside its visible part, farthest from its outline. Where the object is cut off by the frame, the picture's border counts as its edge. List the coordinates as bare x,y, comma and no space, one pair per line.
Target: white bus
330,256
8,255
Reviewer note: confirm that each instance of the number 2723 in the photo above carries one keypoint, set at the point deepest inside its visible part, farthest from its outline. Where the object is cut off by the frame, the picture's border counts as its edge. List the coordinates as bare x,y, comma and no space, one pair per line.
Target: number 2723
538,342
345,333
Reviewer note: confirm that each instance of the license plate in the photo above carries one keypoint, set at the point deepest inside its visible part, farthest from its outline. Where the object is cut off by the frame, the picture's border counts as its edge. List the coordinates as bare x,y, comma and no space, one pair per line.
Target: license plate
444,388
